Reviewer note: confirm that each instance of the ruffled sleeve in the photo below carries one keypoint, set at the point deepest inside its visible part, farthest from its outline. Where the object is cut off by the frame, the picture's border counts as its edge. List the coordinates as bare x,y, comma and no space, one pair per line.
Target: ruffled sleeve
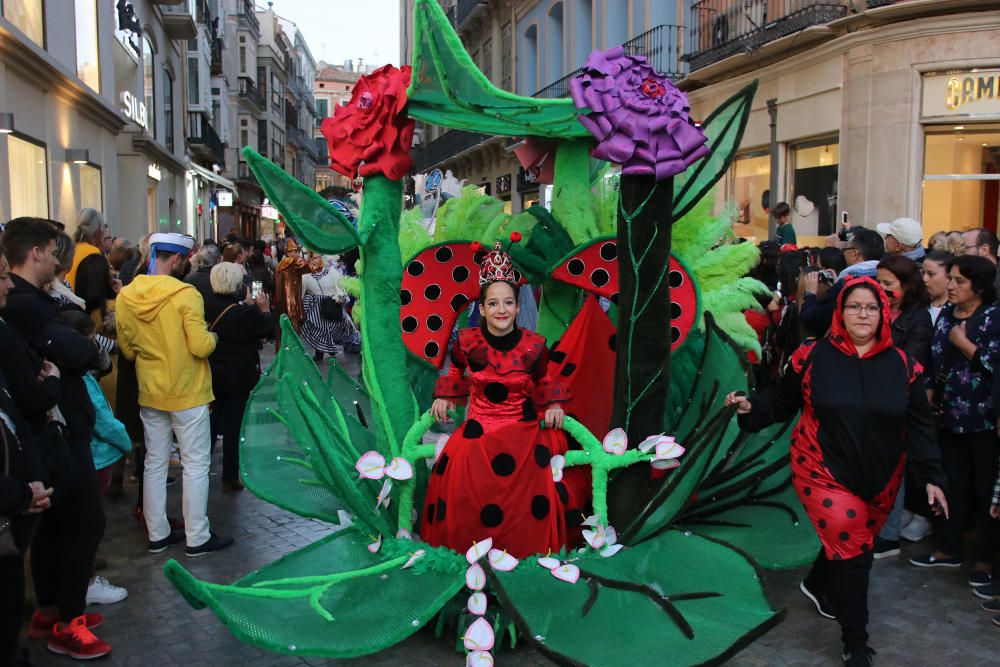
548,390
454,385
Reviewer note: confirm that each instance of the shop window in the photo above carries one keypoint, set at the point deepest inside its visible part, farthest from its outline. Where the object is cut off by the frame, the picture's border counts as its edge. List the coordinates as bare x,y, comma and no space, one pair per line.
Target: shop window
751,180
28,17
815,169
29,185
149,85
961,186
90,187
168,110
87,62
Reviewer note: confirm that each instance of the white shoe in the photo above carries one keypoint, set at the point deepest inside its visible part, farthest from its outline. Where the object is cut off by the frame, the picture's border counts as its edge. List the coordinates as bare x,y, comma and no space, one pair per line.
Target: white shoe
917,529
102,591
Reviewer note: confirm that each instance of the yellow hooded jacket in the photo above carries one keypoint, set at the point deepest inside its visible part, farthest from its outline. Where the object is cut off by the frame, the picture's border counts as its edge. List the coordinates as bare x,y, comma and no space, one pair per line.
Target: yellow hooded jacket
161,325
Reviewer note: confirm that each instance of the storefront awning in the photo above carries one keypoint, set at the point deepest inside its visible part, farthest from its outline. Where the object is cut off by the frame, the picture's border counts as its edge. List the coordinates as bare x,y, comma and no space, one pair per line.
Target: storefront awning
211,176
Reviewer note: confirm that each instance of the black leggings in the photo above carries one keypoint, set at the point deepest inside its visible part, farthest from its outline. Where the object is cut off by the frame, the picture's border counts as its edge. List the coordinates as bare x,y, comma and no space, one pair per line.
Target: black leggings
230,407
11,606
845,584
62,556
970,464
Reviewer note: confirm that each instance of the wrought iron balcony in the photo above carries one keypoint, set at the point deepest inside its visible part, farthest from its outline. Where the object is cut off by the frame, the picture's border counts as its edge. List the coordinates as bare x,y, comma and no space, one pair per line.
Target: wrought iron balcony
216,56
203,140
661,46
252,94
723,28
449,144
248,17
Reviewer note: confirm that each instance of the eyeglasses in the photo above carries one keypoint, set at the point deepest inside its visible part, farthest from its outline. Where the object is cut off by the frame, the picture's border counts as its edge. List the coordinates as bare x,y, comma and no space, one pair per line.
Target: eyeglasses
859,309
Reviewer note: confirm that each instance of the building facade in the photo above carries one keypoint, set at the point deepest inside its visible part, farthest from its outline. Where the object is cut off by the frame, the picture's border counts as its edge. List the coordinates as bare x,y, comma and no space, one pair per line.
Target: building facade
332,88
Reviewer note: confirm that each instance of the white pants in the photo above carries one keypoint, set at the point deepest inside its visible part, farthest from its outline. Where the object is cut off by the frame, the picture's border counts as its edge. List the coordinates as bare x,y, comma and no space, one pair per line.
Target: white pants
194,435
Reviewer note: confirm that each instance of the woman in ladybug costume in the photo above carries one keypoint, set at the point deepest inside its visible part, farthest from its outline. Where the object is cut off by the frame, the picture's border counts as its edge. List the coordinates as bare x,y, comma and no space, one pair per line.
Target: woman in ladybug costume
493,478
864,416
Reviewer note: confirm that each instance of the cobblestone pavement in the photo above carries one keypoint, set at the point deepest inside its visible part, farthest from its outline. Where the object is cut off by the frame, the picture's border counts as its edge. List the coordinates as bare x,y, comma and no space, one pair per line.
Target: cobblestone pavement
919,617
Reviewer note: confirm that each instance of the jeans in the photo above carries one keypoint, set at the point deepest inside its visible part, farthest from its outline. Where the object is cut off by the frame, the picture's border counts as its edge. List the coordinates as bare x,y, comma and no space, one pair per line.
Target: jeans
194,436
890,531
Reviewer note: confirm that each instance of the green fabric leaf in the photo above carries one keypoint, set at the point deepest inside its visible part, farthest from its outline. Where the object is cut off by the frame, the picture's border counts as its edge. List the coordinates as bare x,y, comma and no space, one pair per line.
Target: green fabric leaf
773,529
448,89
320,226
724,129
332,599
545,242
680,595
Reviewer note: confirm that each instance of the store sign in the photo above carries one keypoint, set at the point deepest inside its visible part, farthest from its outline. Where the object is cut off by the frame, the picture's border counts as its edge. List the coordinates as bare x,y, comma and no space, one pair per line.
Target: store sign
153,171
225,198
963,94
133,108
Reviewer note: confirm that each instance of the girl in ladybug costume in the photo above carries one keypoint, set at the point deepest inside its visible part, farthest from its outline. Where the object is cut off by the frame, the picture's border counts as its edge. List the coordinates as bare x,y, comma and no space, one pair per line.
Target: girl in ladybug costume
864,416
493,478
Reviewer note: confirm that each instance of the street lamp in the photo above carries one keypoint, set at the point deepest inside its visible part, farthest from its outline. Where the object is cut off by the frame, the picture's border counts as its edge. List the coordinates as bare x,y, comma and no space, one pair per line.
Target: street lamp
6,123
78,155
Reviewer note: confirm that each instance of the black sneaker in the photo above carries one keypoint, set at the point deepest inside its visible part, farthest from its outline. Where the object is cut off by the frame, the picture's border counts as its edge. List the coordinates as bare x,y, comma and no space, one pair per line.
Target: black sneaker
214,543
992,606
860,657
820,600
159,546
987,592
979,578
928,560
885,548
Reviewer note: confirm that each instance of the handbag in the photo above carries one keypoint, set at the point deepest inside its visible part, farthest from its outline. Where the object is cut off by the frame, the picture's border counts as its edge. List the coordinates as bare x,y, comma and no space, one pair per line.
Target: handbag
8,545
216,321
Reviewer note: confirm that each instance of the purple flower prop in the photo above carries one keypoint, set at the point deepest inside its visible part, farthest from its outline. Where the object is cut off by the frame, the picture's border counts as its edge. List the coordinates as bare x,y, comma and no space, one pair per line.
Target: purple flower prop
639,118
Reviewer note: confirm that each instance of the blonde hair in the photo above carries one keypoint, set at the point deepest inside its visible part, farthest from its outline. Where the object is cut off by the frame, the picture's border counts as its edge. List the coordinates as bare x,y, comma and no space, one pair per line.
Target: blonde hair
226,278
955,244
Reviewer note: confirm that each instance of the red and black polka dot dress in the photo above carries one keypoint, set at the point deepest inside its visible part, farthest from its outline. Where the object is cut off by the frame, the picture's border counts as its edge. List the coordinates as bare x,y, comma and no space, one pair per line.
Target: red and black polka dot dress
493,478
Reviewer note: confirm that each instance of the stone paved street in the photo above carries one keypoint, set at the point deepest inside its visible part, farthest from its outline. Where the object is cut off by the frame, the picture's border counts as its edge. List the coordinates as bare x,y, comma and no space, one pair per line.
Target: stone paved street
918,617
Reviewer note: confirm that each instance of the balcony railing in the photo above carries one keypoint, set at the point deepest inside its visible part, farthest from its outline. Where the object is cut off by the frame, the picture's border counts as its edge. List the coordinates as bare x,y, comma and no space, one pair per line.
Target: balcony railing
247,14
465,8
250,92
179,20
216,56
448,144
723,28
203,139
661,46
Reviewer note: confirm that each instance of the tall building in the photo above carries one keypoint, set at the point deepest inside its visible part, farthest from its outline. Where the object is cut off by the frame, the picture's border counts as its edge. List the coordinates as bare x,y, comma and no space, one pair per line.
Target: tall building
302,155
332,88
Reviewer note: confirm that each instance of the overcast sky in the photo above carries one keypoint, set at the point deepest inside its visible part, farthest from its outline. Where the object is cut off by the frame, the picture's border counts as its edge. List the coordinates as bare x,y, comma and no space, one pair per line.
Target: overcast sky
339,30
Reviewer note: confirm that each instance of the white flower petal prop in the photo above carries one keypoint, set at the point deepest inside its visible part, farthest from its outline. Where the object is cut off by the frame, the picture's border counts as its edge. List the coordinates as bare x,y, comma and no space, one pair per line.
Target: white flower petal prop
371,465
615,442
479,636
403,534
567,572
610,535
477,603
383,495
668,448
597,537
611,550
439,447
666,464
376,545
399,469
557,462
479,659
475,577
548,563
417,555
649,443
502,561
478,550
591,520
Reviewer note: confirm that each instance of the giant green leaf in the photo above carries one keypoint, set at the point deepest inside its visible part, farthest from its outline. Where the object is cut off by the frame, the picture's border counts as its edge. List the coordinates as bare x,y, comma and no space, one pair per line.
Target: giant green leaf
724,129
320,226
331,599
681,599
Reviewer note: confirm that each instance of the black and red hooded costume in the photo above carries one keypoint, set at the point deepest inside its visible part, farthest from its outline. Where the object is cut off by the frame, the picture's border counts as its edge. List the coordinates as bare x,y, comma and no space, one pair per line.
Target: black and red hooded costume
862,417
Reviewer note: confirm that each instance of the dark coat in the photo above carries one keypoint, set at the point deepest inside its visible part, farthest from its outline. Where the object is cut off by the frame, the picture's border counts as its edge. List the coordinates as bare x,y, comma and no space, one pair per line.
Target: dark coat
236,360
24,461
912,333
201,279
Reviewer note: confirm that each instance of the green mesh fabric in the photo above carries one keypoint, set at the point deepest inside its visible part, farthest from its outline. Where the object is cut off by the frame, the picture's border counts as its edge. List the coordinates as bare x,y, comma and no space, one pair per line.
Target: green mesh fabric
773,529
331,599
346,390
682,598
317,224
448,89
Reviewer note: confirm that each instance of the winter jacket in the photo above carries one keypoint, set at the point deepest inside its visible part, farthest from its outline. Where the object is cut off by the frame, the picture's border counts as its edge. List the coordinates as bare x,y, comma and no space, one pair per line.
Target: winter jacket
161,325
82,251
236,360
860,412
912,332
24,462
202,281
20,365
109,441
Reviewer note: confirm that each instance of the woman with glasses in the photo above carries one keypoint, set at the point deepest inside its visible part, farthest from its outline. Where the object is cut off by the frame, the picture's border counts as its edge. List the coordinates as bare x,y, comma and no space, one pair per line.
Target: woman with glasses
965,356
863,406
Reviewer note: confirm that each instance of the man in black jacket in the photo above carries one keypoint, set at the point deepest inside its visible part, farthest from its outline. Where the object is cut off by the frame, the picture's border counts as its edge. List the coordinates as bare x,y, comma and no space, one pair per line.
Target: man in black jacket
67,539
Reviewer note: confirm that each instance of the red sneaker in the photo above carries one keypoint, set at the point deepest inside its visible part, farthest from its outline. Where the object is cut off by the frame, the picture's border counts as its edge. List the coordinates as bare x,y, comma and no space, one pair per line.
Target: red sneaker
77,641
41,626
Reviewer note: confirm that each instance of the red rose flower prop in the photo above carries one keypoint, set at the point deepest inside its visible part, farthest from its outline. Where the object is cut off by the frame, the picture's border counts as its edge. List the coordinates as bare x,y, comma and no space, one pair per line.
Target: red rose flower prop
372,134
